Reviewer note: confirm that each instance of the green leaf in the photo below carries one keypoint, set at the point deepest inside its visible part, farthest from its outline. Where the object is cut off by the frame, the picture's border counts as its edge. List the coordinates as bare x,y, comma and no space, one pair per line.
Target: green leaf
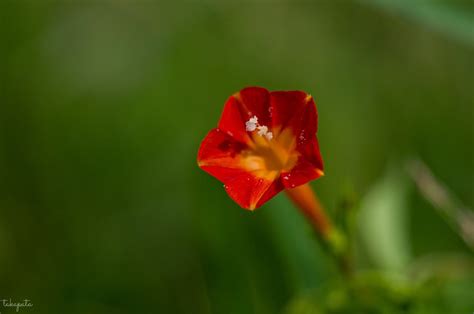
383,222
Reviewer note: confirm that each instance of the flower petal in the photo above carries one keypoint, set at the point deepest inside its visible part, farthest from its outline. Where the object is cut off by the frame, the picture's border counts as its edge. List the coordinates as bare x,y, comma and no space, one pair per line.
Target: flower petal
255,101
248,190
295,110
309,150
308,167
302,173
276,187
219,155
233,121
305,125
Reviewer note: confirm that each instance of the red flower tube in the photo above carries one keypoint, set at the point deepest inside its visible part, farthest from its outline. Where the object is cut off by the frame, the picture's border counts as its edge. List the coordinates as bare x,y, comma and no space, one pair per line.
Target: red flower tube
265,142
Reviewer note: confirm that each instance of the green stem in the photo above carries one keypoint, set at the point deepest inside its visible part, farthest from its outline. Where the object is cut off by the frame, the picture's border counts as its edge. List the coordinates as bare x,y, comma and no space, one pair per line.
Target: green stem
333,240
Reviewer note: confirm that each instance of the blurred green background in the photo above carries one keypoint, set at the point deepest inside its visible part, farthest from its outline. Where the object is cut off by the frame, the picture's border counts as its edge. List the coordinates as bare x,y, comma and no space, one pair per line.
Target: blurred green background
104,104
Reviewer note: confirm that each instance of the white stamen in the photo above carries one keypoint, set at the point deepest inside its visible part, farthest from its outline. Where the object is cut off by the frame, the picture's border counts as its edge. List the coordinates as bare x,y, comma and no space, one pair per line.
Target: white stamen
251,125
262,130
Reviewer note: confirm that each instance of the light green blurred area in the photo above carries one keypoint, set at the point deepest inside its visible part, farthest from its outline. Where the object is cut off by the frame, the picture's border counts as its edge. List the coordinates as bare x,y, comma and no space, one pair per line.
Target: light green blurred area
104,104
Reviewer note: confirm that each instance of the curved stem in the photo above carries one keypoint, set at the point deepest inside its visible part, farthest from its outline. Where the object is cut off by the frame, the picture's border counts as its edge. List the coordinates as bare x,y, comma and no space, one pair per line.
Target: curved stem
308,203
332,238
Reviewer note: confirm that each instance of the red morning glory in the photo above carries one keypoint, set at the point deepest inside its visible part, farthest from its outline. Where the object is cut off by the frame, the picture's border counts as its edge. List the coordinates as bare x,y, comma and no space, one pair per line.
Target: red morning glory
265,142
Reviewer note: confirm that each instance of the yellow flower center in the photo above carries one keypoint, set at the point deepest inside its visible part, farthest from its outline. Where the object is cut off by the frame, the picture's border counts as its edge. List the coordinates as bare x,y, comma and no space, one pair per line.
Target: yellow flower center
267,158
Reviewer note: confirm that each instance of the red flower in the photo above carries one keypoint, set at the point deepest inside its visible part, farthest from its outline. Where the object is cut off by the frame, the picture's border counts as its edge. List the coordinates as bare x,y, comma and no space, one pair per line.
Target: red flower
265,142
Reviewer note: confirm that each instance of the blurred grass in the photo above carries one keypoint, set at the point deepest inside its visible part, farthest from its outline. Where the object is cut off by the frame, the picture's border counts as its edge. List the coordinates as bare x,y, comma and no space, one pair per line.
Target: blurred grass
452,17
104,104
